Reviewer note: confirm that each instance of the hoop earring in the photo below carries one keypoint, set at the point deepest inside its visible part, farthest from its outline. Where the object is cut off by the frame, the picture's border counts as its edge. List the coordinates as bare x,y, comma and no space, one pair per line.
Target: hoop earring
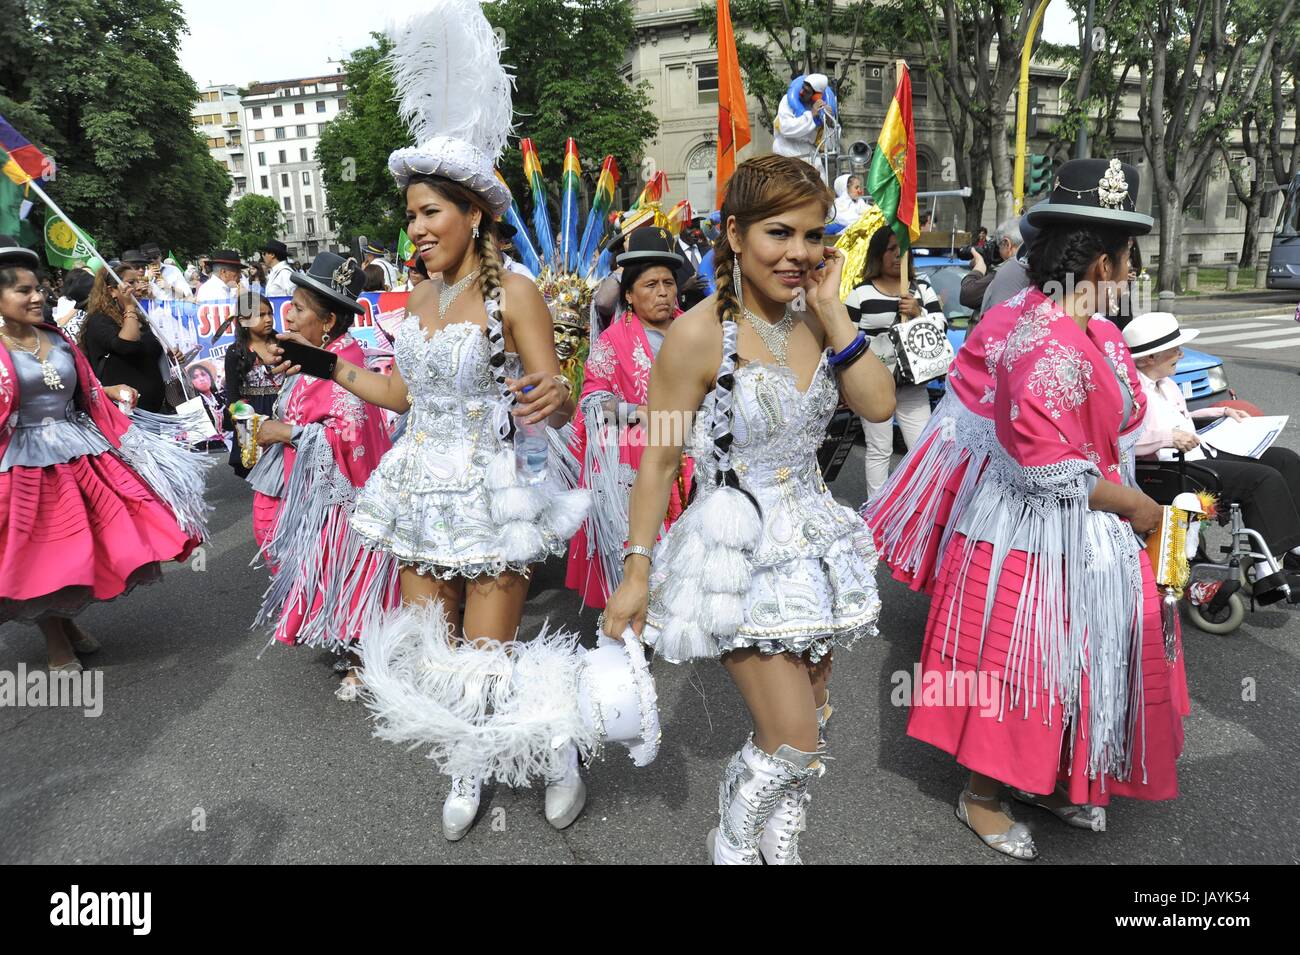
735,278
324,340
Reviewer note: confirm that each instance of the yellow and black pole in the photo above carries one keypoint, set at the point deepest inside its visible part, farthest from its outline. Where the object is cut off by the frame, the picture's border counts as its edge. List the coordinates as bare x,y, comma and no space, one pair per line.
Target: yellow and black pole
1022,108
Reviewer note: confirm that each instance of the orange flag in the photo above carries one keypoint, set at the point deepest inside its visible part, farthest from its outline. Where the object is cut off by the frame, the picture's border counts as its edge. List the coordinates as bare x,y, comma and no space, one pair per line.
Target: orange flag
733,113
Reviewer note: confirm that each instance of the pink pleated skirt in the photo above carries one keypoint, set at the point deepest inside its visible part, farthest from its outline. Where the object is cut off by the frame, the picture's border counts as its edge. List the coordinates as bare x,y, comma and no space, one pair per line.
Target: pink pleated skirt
1029,748
75,533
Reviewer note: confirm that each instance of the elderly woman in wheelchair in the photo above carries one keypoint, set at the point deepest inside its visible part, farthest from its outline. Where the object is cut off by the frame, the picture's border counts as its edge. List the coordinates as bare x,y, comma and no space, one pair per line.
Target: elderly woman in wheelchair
1260,495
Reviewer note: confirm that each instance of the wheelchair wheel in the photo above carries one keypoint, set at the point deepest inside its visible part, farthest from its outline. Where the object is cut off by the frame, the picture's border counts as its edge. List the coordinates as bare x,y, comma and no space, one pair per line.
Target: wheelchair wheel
1228,618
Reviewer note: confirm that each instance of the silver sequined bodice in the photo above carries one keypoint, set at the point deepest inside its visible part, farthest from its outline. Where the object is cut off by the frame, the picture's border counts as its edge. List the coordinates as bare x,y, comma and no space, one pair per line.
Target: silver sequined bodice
48,428
456,405
776,432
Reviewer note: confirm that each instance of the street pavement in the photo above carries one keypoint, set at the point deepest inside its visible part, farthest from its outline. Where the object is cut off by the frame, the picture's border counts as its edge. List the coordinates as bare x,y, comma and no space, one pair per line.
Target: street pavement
207,752
1271,338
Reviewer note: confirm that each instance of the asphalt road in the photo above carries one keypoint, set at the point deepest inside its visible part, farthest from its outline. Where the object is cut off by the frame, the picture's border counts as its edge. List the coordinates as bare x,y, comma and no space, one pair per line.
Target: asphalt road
206,753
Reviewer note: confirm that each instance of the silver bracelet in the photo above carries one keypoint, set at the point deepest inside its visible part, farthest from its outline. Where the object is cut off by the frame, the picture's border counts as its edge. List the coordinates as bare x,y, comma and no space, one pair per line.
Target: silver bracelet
631,549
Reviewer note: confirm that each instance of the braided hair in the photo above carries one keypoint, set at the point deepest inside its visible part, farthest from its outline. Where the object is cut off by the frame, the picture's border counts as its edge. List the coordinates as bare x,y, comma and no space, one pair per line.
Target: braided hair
1060,256
759,188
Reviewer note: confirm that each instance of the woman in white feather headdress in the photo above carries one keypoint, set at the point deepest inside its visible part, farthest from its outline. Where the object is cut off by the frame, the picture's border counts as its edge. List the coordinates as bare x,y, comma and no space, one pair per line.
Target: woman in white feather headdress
448,502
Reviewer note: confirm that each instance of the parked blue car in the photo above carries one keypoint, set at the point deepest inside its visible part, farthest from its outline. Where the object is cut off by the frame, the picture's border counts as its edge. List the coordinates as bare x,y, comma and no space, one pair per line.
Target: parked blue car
1201,377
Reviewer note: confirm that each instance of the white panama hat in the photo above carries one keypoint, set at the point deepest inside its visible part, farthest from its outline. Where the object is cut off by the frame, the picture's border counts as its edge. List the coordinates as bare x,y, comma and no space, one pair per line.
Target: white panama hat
1155,332
616,695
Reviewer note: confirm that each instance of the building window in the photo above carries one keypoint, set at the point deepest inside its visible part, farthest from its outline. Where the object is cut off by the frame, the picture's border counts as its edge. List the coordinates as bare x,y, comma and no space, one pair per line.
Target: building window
279,132
306,178
282,157
306,201
257,112
1195,207
288,227
261,159
873,85
265,185
237,164
706,82
1232,209
343,103
920,88
232,118
922,173
284,180
277,110
320,106
298,109
288,203
302,130
259,135
311,226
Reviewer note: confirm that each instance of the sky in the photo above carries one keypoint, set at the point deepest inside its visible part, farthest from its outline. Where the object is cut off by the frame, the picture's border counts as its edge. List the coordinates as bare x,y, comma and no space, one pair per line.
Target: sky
241,41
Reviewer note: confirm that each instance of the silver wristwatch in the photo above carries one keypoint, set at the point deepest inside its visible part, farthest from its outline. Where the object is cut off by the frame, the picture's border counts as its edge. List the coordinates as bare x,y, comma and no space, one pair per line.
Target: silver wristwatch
631,549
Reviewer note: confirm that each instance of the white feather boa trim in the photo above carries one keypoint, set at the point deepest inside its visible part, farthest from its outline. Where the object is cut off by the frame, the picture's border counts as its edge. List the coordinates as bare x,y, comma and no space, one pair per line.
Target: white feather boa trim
490,710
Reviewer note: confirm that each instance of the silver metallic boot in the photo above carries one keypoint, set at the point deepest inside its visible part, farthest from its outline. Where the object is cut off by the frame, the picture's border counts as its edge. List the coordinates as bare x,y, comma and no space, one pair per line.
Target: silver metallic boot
751,787
779,843
461,807
566,795
823,720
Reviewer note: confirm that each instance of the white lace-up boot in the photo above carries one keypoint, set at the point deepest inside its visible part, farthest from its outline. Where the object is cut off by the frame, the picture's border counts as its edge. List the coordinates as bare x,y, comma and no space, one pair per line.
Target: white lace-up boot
461,807
566,796
752,785
779,843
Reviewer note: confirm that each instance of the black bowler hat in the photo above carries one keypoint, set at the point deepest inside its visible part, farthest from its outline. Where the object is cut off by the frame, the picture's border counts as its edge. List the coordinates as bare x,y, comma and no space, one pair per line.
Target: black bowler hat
334,278
135,257
650,245
278,249
151,251
505,231
1094,192
11,253
227,257
376,248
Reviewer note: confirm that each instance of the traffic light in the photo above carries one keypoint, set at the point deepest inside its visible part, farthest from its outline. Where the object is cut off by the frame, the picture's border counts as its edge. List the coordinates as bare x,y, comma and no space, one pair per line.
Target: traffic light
1038,174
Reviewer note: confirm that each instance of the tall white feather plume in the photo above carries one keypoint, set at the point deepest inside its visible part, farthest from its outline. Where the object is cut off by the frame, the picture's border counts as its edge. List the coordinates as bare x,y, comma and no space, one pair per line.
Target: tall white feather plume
446,66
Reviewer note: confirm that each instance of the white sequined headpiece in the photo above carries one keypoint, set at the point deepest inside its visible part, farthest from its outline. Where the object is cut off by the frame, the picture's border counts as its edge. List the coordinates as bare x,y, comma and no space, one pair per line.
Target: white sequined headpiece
455,98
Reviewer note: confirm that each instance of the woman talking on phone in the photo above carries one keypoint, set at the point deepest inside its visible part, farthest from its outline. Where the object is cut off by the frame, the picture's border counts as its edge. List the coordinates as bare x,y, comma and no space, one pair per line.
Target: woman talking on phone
764,571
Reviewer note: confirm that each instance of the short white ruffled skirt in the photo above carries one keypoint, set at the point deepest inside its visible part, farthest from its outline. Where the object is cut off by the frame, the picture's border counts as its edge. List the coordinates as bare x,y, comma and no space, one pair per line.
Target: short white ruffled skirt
481,527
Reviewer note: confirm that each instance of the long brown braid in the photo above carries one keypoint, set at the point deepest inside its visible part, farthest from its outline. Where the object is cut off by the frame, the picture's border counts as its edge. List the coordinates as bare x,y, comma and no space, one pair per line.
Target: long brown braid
760,188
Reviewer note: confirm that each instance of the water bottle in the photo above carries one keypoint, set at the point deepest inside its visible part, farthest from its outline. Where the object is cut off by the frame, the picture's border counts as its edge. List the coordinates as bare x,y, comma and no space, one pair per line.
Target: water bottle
531,450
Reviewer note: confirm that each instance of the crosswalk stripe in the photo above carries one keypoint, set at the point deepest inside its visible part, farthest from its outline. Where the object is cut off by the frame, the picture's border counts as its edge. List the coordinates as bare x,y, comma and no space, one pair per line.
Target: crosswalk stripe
1289,341
1243,336
1266,322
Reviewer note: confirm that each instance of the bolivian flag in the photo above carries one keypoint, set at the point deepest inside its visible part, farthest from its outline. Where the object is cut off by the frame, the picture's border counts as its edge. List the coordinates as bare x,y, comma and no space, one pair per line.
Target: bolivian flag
892,177
569,186
654,191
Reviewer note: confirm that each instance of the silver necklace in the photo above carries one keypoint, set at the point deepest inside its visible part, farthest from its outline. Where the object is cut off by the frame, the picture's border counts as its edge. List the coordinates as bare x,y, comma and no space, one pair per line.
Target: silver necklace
49,374
448,293
774,335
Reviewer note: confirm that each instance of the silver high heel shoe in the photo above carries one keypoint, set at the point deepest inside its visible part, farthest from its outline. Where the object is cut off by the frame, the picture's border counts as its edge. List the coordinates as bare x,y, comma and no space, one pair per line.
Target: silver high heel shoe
1079,816
1016,842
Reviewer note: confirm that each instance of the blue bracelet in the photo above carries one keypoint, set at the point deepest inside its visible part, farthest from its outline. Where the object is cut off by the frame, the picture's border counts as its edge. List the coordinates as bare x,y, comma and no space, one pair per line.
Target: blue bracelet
849,352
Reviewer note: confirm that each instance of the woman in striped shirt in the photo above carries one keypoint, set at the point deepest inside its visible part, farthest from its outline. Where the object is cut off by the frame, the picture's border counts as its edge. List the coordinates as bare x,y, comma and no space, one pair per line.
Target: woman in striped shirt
879,302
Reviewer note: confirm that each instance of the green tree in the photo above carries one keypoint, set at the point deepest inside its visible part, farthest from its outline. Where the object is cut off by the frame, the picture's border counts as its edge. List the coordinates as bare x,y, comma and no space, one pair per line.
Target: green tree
567,58
353,149
97,85
254,221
